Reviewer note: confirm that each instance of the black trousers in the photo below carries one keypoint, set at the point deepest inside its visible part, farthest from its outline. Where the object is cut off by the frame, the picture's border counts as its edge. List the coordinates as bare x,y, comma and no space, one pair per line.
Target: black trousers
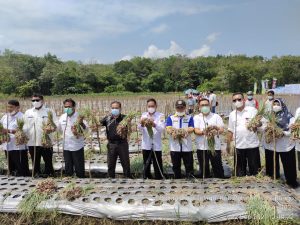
188,161
18,162
74,159
247,157
298,155
120,150
288,160
46,153
205,156
155,157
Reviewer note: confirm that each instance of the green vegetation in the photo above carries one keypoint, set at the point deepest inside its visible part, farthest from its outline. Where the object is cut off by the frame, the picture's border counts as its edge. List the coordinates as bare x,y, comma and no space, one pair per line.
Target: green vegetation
23,74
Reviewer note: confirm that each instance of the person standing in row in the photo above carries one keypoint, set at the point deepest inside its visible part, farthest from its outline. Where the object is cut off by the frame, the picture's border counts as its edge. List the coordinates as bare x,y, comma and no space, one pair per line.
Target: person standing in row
269,102
284,147
250,101
152,125
17,154
212,97
117,146
35,118
202,121
246,141
180,126
73,139
297,147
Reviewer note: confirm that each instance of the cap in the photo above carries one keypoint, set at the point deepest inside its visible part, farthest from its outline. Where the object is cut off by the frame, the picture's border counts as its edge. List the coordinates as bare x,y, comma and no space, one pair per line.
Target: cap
180,103
249,93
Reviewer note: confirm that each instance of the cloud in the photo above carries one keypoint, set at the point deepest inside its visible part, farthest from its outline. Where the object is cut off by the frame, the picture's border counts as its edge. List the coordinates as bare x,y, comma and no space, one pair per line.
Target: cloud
126,57
159,29
154,52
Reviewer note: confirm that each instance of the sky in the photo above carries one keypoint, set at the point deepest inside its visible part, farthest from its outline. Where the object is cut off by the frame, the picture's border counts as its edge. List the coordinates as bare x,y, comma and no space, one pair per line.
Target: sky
105,31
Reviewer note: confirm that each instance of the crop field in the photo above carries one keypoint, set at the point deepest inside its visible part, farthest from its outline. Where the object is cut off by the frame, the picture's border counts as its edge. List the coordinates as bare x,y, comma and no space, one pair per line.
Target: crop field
248,200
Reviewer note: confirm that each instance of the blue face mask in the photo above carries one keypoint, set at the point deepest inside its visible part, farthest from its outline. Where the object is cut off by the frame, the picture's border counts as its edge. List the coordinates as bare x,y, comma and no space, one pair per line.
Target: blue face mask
115,112
69,111
250,97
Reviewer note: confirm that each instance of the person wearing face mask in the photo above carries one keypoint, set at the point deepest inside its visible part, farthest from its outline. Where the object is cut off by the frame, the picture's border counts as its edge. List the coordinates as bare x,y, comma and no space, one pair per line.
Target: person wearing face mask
201,121
34,120
152,146
181,149
246,141
17,154
73,148
297,147
117,146
250,101
269,101
284,146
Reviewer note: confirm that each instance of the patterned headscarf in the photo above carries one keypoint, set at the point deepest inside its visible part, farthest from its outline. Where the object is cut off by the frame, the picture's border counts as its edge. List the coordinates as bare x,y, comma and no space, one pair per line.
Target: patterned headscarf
283,117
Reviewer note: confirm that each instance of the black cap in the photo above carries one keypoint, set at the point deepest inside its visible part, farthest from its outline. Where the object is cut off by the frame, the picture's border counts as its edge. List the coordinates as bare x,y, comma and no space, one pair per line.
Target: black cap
180,103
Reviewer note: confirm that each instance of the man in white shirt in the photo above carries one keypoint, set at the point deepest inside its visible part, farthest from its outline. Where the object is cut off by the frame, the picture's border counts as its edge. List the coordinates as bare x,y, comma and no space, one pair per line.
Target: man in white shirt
17,154
151,143
181,149
213,100
73,143
250,101
34,120
201,121
269,101
246,141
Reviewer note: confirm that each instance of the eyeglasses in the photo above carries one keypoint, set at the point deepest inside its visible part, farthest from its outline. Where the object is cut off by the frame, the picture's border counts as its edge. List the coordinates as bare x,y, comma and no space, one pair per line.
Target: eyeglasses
238,99
36,100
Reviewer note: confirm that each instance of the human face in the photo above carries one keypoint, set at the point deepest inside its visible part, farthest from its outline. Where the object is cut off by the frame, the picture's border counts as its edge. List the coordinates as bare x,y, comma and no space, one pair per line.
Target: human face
69,108
204,107
238,101
12,109
151,107
37,102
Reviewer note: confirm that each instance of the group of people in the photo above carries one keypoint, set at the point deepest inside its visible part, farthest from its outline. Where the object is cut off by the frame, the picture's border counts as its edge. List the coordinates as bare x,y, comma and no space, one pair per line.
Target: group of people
207,126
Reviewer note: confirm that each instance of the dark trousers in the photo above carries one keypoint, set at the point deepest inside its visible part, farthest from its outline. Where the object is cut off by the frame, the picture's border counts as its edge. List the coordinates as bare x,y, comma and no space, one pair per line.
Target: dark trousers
247,157
205,156
120,150
288,160
46,153
74,159
298,155
155,157
18,162
188,161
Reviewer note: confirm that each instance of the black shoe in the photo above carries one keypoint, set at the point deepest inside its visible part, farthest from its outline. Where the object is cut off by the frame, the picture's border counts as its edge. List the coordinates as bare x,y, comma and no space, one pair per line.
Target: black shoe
294,185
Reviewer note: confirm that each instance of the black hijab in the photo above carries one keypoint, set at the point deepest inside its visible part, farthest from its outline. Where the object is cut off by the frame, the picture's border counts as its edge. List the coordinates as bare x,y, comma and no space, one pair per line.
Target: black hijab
284,116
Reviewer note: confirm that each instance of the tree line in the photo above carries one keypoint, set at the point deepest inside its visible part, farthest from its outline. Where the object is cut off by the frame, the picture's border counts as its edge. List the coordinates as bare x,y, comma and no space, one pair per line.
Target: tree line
22,74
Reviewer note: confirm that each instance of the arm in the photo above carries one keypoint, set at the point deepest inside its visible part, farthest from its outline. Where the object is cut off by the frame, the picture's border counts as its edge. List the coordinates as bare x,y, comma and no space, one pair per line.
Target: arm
160,126
191,126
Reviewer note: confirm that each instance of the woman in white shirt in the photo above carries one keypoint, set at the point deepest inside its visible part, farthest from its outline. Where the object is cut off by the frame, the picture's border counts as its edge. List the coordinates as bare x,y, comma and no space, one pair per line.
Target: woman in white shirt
284,146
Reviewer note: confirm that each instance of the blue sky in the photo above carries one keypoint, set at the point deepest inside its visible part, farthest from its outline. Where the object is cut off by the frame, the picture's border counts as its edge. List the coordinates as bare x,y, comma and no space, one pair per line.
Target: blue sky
107,31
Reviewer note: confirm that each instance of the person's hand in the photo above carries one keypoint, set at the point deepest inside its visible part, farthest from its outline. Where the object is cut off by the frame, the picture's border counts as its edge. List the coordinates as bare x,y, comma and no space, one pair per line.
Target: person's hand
142,122
293,127
74,131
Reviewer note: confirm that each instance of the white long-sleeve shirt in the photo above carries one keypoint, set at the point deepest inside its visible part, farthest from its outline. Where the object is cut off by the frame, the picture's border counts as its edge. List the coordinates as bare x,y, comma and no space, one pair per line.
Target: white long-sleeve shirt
71,142
297,115
35,118
237,124
159,120
201,122
10,122
284,144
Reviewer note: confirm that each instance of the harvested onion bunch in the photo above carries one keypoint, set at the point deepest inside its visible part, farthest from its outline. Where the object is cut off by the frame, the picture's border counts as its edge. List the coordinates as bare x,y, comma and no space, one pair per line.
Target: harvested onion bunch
48,126
47,186
178,134
296,130
210,133
21,138
148,123
71,193
79,131
124,128
255,122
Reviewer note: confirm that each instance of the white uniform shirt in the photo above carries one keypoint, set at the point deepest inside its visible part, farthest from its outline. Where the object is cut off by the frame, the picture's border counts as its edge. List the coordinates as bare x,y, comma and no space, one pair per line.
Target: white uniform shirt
238,126
180,122
269,105
159,120
284,144
71,143
36,117
10,122
201,122
297,115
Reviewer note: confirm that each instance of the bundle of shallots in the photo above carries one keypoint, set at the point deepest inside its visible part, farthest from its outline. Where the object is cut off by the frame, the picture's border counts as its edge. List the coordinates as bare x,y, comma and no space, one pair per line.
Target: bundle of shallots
210,133
4,137
71,193
295,131
178,134
77,126
148,123
48,127
272,131
47,186
124,128
21,138
255,122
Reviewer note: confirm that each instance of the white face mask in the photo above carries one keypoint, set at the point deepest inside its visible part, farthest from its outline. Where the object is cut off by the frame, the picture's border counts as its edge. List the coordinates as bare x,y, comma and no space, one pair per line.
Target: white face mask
151,110
37,104
238,104
277,108
270,97
180,113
